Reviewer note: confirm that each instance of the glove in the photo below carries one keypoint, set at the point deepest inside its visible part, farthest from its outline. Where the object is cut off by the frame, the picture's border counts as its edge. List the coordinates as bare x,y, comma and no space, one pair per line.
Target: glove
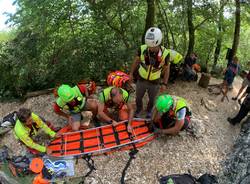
157,130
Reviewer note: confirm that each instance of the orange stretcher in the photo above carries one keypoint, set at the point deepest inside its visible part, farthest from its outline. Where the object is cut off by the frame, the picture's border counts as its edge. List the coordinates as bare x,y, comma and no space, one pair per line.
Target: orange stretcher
100,140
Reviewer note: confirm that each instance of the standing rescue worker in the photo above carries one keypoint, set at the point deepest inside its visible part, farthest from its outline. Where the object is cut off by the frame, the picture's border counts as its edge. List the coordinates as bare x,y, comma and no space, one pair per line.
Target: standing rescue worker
27,125
151,62
171,114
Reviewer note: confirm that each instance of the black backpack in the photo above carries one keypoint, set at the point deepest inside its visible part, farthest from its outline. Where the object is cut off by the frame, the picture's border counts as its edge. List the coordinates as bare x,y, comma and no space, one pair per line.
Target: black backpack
21,165
207,179
4,154
178,179
188,179
9,120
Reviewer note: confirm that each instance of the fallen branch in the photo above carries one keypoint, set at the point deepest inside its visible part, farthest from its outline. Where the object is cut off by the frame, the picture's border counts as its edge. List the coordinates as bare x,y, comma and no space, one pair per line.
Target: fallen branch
38,93
204,103
50,90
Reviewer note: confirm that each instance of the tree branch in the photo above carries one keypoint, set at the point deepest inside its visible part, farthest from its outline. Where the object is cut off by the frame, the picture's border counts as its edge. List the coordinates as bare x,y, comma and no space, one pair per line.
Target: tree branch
209,17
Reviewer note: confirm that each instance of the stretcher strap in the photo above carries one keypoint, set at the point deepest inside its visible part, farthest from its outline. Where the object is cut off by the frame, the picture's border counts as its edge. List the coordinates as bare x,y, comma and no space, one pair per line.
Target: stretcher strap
62,145
101,137
116,136
81,142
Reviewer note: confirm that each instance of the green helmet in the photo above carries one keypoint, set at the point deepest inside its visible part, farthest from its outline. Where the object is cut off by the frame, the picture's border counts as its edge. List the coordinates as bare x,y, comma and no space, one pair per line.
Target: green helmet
66,93
164,103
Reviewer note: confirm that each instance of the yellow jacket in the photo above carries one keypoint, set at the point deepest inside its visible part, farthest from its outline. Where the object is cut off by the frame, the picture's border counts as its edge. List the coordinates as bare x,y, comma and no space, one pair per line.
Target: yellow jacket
23,133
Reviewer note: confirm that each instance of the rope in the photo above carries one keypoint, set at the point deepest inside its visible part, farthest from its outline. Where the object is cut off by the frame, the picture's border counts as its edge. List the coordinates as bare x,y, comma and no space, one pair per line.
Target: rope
91,164
132,154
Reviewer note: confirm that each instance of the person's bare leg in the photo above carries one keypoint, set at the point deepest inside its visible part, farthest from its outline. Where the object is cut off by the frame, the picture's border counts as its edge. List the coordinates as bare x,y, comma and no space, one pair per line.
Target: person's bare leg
239,92
123,113
75,121
243,95
224,93
75,126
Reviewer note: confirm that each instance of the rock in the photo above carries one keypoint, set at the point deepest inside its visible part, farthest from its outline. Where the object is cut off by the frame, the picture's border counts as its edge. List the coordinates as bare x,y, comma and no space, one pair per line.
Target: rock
198,127
6,179
208,104
237,166
204,80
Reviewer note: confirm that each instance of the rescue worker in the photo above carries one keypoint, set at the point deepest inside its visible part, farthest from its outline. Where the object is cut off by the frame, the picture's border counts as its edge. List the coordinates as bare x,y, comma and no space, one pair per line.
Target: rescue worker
70,103
244,110
171,114
174,56
27,125
151,62
189,72
118,100
175,59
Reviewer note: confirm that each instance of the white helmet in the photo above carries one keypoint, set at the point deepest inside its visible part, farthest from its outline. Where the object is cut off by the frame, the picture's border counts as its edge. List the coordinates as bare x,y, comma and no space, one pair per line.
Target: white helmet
153,37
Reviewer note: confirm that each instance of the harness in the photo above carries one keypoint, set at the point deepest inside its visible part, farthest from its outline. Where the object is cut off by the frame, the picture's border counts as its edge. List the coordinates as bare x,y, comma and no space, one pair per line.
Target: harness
109,103
151,64
76,105
168,119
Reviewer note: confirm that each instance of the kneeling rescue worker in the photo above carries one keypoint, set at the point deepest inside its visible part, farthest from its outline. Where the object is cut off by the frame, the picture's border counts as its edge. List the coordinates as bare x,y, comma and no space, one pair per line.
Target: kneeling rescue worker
28,125
70,103
171,114
117,99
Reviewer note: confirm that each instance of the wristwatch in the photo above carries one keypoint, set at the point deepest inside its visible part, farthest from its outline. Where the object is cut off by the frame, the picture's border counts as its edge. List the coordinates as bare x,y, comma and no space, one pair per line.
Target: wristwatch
110,121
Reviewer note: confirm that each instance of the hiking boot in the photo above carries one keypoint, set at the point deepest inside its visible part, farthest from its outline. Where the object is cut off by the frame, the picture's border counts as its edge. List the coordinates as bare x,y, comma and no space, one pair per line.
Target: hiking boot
231,121
56,129
148,116
234,98
239,101
137,115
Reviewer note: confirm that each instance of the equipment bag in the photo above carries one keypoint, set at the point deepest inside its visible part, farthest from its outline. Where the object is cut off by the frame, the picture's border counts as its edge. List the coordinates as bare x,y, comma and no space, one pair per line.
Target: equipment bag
188,179
9,120
4,154
207,179
177,179
21,165
117,78
120,79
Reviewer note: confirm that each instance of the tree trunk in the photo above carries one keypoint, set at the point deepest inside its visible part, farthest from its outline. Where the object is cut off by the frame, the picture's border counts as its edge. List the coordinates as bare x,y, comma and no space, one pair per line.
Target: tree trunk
150,17
183,27
237,28
204,80
167,24
219,37
166,41
191,29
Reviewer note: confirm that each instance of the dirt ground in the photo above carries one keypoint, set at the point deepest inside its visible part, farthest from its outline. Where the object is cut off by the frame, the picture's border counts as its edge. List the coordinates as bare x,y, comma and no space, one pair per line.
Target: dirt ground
166,154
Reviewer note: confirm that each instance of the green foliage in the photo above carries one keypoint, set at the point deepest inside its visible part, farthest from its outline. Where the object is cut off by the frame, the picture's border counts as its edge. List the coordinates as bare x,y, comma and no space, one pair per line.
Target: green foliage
67,41
6,35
